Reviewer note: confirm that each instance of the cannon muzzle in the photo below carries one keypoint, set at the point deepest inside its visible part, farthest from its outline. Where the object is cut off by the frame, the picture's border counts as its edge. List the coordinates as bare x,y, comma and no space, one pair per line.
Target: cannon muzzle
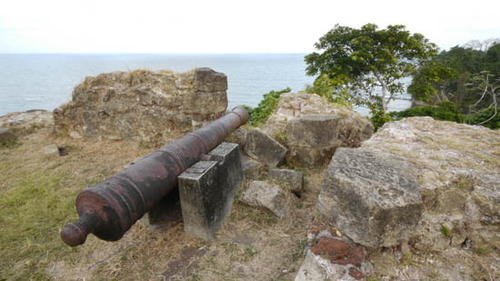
110,208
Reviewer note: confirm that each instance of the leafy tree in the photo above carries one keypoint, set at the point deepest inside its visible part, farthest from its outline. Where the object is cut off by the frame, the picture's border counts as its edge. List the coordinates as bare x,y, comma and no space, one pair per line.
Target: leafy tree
431,83
492,60
368,62
325,87
489,86
456,76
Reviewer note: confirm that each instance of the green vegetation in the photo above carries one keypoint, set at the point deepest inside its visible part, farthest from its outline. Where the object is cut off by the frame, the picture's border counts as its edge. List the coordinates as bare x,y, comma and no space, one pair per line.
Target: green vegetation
481,251
299,250
442,111
32,210
446,231
487,117
379,117
9,144
446,111
250,251
364,66
324,86
267,105
466,77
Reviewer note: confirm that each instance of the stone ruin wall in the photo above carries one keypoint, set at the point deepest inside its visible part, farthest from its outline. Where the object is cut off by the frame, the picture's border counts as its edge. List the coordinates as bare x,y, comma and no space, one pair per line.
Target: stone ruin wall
144,106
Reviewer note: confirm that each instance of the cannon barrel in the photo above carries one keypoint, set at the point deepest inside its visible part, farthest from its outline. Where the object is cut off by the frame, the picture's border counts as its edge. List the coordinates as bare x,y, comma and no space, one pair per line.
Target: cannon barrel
110,208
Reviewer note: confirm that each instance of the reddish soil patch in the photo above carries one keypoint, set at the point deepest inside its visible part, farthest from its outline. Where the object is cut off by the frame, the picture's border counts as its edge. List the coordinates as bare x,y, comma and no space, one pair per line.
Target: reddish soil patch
339,252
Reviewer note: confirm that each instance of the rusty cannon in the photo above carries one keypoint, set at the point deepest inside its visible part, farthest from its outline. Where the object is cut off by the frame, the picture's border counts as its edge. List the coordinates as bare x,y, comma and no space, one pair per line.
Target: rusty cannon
110,208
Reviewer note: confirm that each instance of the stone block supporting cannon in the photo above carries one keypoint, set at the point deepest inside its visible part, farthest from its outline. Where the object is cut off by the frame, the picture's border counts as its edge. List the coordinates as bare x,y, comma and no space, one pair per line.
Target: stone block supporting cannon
206,190
110,208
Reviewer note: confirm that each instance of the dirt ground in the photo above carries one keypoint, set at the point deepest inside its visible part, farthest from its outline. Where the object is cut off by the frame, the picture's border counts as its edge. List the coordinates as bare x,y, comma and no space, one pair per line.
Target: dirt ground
37,195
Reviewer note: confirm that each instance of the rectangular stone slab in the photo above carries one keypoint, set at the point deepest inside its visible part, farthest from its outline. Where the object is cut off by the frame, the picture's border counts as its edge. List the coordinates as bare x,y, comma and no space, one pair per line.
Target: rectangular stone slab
206,190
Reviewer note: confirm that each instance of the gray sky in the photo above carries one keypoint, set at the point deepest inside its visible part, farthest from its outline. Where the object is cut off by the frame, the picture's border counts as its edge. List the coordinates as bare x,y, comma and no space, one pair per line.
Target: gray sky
225,26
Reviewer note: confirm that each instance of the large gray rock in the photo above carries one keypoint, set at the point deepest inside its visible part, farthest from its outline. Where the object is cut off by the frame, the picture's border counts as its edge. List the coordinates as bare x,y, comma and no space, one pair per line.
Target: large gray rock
269,196
458,175
289,179
459,179
312,128
252,169
264,149
7,137
22,123
51,150
372,197
142,105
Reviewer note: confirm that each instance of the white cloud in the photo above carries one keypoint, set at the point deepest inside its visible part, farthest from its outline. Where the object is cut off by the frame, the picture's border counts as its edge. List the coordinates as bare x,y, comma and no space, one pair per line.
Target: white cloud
221,26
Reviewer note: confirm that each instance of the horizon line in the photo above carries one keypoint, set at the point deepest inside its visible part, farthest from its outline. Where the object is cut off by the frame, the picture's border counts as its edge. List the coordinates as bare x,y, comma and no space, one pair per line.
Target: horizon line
152,53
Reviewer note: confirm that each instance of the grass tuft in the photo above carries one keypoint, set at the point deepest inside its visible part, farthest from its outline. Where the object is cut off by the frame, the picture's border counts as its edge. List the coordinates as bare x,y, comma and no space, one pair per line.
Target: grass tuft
446,231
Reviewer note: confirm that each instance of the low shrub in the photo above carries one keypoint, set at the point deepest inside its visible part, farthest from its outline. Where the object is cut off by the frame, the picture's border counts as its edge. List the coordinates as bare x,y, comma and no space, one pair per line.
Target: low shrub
447,111
443,111
267,105
484,118
379,118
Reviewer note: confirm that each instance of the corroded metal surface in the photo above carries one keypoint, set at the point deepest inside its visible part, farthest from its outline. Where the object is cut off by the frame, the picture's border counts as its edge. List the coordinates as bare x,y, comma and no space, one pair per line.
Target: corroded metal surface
110,208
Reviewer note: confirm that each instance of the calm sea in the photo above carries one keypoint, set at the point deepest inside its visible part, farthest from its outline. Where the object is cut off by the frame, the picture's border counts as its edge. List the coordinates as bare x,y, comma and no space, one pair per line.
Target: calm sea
44,81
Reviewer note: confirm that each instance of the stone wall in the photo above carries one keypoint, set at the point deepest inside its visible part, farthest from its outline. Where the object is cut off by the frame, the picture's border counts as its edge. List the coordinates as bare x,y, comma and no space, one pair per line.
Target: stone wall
142,105
26,122
313,128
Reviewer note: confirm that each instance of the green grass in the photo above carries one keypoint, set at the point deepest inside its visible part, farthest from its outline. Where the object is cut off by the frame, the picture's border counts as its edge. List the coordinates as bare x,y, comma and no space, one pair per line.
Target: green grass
267,105
9,144
250,251
464,183
299,250
31,212
446,231
481,251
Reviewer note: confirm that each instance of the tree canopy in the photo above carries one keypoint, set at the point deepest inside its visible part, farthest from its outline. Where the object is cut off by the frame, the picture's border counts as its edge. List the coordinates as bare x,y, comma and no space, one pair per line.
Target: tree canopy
467,77
368,62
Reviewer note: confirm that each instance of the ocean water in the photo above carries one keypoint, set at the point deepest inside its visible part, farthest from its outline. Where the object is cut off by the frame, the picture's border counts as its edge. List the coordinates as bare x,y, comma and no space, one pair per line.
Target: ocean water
45,81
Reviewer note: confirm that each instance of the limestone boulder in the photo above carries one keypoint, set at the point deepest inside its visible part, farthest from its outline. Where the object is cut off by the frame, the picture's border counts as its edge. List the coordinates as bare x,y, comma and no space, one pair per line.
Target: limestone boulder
142,105
289,179
252,169
51,150
456,168
313,128
267,195
263,148
22,123
372,197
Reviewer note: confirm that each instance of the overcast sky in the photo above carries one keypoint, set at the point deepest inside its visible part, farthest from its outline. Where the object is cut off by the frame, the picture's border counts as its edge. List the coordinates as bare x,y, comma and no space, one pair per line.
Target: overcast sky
226,26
